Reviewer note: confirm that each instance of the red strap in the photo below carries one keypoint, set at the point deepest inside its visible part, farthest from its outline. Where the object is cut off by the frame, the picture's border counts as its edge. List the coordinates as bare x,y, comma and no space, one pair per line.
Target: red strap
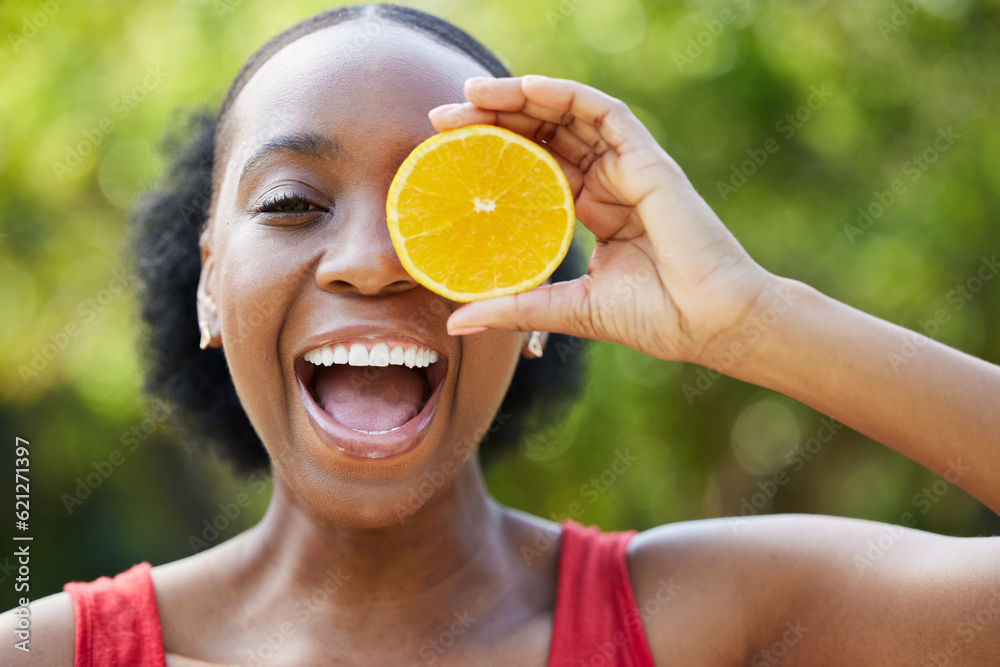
597,621
117,623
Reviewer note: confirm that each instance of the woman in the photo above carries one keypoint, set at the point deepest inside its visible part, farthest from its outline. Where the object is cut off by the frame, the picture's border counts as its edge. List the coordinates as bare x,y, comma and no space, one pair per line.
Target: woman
380,544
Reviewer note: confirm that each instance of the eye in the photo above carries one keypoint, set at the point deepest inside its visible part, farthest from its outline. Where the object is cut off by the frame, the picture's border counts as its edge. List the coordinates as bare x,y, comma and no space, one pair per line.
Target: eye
287,202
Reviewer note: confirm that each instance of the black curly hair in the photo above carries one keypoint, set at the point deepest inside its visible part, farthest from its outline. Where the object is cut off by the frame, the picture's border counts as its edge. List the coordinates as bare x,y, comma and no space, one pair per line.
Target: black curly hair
164,232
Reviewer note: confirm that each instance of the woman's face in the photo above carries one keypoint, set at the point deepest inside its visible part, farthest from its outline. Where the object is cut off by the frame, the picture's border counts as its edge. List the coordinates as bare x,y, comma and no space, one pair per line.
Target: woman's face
297,257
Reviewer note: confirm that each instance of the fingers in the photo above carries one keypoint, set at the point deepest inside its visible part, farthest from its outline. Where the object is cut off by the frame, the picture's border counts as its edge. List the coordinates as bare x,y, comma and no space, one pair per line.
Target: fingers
558,308
590,113
450,116
559,139
535,104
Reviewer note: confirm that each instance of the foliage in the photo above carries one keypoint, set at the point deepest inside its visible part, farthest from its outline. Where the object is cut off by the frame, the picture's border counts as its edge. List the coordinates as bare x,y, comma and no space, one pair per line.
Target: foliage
846,144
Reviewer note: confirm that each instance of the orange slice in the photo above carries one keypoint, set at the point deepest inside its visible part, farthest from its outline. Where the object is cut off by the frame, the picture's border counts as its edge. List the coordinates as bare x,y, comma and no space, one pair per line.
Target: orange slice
479,212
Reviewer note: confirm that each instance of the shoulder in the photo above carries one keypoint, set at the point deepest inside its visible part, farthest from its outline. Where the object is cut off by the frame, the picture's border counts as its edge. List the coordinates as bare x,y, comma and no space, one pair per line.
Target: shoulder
742,584
706,589
51,627
183,590
788,544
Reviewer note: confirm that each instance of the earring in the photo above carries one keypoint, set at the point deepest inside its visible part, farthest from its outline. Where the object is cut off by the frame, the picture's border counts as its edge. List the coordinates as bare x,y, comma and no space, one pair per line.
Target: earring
206,334
535,344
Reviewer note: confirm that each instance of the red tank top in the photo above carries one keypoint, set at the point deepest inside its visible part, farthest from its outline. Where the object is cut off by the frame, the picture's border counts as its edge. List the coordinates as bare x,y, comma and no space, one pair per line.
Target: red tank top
597,622
117,623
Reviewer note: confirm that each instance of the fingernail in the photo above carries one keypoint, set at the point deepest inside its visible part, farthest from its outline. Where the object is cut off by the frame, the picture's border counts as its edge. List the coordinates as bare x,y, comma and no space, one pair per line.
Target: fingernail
446,107
476,79
466,331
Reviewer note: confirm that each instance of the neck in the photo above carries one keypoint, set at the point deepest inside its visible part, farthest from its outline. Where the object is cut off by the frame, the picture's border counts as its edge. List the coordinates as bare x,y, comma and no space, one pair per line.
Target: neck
455,539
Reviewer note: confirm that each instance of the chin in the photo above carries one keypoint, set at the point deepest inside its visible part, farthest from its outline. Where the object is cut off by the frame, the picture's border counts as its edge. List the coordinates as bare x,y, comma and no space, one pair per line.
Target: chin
375,494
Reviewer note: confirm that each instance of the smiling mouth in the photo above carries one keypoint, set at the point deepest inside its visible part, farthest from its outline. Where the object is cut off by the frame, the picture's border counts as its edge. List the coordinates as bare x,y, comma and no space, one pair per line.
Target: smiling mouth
372,399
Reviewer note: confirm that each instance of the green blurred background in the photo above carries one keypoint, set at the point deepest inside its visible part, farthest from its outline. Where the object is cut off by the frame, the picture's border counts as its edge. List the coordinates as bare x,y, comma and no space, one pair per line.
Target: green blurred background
853,94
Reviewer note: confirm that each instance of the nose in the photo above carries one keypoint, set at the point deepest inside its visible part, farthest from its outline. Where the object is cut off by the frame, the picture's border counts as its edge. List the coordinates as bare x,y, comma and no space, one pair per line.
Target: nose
360,257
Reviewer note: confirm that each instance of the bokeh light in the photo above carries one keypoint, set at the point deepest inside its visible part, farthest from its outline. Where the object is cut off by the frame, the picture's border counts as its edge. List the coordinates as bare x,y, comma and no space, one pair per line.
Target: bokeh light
90,94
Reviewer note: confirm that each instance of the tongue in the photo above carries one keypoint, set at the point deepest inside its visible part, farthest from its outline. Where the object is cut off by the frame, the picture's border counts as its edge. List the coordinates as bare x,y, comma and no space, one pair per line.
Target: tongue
369,398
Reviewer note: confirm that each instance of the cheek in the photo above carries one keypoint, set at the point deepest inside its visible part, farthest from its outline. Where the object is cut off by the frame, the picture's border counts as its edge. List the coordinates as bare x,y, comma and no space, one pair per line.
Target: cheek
255,295
488,363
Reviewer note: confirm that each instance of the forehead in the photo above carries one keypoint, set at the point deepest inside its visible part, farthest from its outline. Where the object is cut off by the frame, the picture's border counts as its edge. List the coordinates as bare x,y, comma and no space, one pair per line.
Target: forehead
346,81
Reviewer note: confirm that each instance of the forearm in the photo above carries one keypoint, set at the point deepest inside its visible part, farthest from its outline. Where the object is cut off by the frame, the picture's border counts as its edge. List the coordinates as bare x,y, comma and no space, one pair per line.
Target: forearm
932,403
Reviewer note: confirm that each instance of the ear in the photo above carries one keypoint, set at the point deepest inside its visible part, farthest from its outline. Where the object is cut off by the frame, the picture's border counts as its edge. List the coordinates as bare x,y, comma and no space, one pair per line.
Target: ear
207,305
526,352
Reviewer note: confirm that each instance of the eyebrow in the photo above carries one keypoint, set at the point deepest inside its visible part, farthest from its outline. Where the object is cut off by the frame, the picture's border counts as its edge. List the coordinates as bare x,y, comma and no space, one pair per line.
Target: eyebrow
310,144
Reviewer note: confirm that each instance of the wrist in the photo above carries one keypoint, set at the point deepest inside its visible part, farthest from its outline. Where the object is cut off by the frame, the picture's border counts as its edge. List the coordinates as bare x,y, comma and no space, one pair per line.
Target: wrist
747,345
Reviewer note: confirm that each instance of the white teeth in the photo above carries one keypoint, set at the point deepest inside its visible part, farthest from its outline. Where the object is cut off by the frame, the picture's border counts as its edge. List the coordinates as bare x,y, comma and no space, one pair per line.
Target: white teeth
357,354
379,356
340,354
361,430
396,356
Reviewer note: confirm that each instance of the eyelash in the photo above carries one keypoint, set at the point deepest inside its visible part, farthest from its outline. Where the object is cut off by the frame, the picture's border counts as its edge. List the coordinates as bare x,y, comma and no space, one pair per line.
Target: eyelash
273,203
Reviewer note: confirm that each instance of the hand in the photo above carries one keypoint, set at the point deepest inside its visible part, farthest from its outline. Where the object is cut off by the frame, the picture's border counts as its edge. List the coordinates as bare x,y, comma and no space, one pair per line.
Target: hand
666,277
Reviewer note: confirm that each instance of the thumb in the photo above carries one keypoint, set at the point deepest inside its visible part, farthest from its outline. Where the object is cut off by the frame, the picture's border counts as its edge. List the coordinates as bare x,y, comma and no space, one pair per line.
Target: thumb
557,308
